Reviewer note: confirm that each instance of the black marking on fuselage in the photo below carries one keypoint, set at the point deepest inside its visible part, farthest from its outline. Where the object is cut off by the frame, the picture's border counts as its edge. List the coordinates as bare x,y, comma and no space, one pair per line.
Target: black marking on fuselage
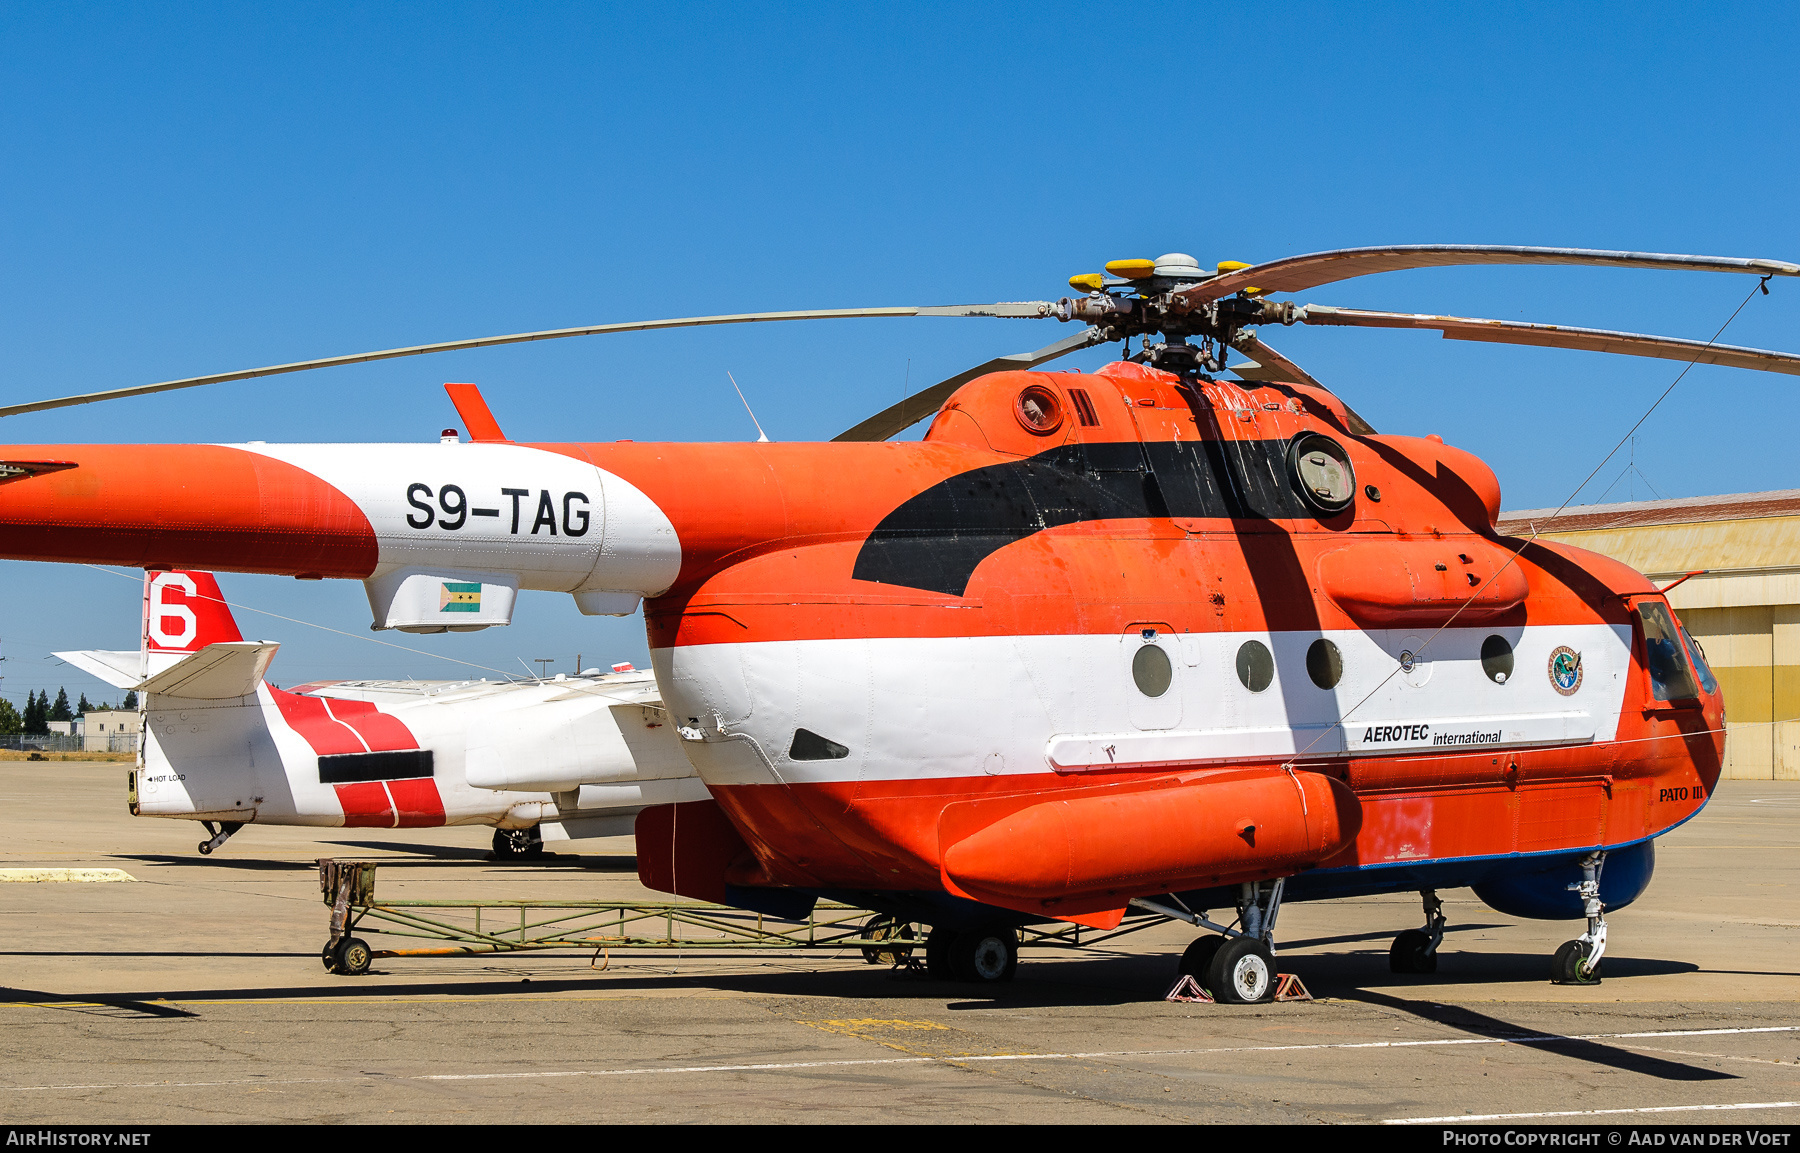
935,539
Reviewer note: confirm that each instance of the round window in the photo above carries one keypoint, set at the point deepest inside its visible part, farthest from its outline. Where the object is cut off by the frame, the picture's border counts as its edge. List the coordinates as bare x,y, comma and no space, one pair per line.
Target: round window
1038,410
1321,470
1324,664
1255,666
1497,659
1151,670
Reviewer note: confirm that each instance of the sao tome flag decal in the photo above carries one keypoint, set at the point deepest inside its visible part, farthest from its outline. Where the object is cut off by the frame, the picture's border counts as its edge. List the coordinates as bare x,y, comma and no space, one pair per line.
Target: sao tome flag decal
458,597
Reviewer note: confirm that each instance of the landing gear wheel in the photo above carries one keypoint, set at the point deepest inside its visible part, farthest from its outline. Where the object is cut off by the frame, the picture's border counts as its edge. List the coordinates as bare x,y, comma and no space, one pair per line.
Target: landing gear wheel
985,956
1411,952
518,844
1199,955
1242,972
938,944
884,928
205,848
1570,964
353,956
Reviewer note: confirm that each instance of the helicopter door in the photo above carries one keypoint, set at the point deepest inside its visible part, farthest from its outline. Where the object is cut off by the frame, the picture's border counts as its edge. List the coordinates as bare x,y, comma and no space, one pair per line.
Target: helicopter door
1152,660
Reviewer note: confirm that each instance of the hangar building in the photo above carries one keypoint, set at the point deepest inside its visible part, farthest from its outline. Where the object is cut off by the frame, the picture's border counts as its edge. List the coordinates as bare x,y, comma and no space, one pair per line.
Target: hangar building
1745,610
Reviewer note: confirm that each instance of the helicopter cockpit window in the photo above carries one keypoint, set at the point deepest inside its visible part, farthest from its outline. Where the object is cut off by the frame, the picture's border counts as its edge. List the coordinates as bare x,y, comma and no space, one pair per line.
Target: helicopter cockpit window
810,746
1670,677
1698,655
1320,469
1255,666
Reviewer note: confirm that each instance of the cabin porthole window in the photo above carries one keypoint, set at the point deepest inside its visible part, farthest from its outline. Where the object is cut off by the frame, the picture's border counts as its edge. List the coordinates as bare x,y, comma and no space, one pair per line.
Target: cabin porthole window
1151,670
1324,664
1255,666
1497,659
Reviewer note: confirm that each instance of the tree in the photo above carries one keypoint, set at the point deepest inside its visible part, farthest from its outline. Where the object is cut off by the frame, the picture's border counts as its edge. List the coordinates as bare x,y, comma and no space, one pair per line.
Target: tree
83,709
130,701
11,723
60,710
36,706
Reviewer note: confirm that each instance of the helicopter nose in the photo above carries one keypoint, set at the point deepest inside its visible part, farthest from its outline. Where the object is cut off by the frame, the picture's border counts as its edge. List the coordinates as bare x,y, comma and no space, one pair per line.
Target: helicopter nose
178,506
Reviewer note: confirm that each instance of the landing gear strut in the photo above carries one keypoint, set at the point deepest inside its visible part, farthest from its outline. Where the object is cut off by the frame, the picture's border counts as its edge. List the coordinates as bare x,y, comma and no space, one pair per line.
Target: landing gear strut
1416,950
220,834
1577,962
517,844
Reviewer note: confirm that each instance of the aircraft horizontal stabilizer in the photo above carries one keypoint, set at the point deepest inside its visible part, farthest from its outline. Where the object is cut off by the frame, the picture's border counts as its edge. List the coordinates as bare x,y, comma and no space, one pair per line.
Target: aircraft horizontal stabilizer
122,670
221,670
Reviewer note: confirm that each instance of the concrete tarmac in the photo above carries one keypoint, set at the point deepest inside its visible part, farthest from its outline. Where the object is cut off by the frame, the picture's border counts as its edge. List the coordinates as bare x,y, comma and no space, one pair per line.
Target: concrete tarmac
195,994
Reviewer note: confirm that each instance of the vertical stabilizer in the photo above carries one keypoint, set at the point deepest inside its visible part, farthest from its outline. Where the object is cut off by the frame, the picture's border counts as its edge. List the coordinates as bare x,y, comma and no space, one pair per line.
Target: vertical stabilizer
183,613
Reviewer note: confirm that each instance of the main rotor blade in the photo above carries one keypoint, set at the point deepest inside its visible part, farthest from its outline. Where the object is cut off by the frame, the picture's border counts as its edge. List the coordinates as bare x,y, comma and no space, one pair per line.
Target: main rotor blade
1028,309
1271,365
1294,273
896,419
1559,336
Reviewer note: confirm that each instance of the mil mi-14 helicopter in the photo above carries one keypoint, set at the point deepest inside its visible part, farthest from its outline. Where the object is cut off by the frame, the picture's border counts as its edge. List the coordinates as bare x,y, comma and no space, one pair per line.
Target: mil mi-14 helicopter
1142,638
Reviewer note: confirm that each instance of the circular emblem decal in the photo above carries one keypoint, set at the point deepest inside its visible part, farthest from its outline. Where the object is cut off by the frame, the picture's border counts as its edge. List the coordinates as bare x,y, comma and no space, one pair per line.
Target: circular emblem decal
1565,670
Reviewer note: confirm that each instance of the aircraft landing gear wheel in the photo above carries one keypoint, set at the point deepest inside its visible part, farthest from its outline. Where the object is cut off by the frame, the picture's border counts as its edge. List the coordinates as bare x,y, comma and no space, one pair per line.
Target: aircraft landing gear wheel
205,848
1411,952
1242,972
1199,956
884,928
1570,964
985,956
937,953
353,956
517,844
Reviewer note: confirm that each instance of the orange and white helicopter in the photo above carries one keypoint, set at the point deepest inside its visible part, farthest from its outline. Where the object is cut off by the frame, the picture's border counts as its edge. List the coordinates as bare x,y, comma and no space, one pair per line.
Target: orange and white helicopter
1147,637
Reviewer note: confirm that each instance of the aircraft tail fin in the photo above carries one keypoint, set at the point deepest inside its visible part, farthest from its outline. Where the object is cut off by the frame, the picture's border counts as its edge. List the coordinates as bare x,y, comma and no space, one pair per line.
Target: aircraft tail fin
184,611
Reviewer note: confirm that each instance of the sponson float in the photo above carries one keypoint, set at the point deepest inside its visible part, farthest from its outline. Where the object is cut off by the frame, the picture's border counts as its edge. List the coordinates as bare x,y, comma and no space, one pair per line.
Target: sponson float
1149,636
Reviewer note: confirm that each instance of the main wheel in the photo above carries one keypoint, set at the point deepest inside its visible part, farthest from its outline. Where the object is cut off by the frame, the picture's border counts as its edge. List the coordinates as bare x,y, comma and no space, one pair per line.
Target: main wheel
938,944
1569,966
353,956
512,844
1198,956
1242,972
985,955
1411,952
884,928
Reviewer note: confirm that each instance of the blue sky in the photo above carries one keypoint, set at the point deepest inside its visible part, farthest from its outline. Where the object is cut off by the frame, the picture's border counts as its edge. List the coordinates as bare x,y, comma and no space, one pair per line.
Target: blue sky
191,188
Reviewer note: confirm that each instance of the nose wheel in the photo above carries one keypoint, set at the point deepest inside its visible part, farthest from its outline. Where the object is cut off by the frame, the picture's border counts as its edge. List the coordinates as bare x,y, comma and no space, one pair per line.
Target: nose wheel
1416,950
1577,962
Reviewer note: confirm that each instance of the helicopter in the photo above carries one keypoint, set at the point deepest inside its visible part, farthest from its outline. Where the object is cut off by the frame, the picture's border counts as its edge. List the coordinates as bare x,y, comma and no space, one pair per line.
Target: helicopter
1151,639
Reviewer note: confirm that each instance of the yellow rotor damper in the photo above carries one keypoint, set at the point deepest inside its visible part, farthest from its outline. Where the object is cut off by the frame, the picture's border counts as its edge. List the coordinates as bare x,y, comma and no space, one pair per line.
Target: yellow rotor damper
1132,269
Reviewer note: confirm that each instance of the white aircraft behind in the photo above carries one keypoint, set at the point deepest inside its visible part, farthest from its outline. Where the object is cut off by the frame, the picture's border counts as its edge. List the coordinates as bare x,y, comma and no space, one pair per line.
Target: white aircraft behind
548,759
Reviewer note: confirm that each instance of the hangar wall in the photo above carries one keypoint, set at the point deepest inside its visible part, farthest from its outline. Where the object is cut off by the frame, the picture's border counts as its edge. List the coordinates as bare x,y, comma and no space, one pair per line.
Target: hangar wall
1745,611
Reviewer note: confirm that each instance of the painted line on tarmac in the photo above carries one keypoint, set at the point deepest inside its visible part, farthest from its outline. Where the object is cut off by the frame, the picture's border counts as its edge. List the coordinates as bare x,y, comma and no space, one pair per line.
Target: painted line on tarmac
1594,1113
781,1066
